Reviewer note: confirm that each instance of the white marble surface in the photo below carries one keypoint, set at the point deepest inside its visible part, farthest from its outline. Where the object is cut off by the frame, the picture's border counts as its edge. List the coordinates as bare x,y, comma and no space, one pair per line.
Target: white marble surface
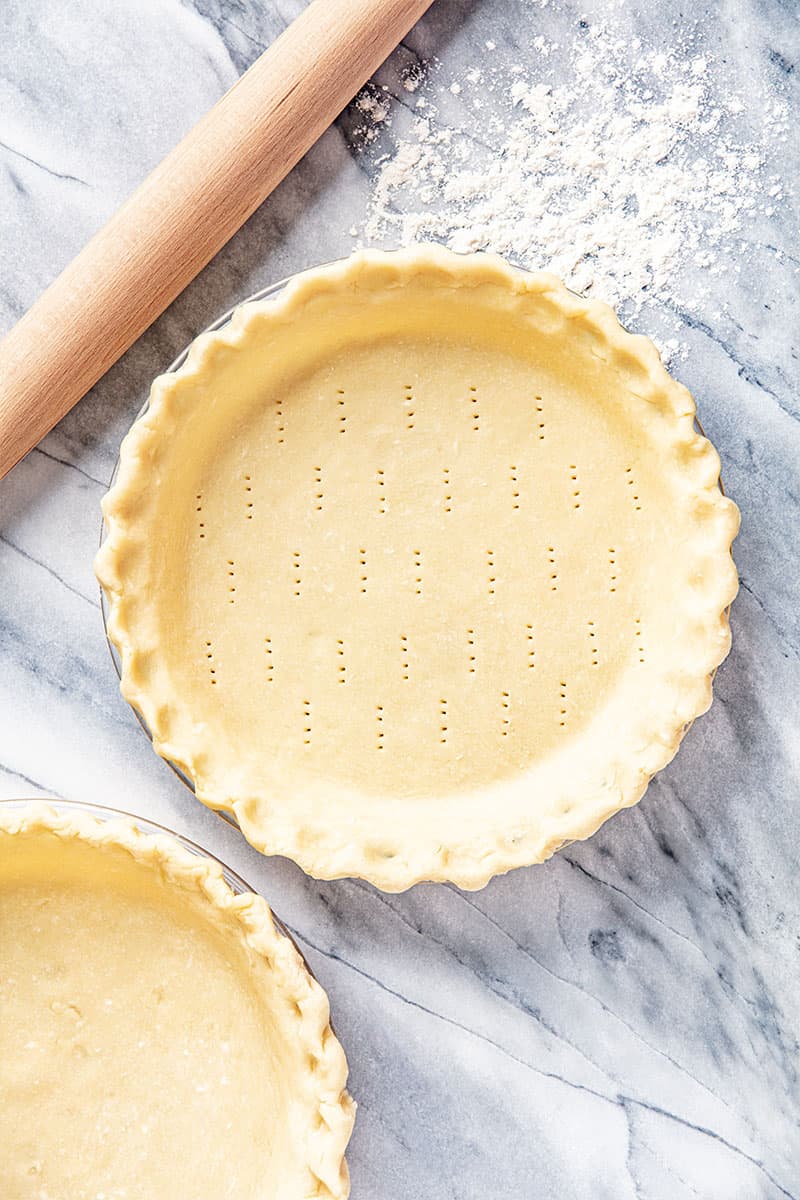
622,1022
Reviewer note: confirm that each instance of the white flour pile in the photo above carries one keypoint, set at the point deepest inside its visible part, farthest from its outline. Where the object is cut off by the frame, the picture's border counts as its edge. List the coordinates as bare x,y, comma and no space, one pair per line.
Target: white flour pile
620,181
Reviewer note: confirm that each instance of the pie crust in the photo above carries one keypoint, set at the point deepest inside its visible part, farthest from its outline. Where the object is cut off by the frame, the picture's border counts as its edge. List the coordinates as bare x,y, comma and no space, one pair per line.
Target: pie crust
158,1036
420,569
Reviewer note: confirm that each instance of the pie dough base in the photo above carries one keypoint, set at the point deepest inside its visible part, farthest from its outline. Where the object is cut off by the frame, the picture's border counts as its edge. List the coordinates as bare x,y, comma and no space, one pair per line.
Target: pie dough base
420,569
148,1047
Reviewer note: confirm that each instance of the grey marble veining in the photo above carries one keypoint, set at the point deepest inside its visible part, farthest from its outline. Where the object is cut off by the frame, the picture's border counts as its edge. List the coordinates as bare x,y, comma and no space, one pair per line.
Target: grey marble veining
622,1022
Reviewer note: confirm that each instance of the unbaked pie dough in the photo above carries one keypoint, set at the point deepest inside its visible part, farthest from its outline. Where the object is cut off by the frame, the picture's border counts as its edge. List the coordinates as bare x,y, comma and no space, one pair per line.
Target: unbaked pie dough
420,569
159,1039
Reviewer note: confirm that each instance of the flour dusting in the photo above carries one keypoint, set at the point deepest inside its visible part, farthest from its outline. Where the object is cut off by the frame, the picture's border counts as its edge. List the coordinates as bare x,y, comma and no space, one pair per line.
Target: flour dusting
620,181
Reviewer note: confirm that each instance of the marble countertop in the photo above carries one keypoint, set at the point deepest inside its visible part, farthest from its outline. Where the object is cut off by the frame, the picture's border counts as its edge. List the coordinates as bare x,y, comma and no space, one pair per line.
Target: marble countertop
622,1022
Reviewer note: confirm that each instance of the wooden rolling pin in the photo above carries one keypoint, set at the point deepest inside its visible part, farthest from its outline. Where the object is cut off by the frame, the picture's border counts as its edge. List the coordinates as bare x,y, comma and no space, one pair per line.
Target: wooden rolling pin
187,209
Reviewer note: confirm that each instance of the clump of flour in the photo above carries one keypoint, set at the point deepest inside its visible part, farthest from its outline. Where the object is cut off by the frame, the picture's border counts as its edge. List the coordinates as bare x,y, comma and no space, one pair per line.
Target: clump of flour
374,106
620,181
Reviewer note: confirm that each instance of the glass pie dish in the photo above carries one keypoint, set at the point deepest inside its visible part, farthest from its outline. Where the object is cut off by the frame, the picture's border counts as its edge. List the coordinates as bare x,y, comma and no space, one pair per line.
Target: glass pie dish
146,992
419,567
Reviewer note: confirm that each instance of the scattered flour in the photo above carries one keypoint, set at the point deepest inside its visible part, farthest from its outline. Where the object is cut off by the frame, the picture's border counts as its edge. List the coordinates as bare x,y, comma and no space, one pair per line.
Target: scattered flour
620,181
375,106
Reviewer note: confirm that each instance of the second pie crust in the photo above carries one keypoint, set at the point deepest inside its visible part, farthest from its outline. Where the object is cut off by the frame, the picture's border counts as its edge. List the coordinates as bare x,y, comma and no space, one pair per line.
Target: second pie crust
173,1037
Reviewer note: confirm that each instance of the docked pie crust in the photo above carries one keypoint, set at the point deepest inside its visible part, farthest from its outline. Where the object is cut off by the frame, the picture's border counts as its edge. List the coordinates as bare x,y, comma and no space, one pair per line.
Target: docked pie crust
158,1036
420,569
